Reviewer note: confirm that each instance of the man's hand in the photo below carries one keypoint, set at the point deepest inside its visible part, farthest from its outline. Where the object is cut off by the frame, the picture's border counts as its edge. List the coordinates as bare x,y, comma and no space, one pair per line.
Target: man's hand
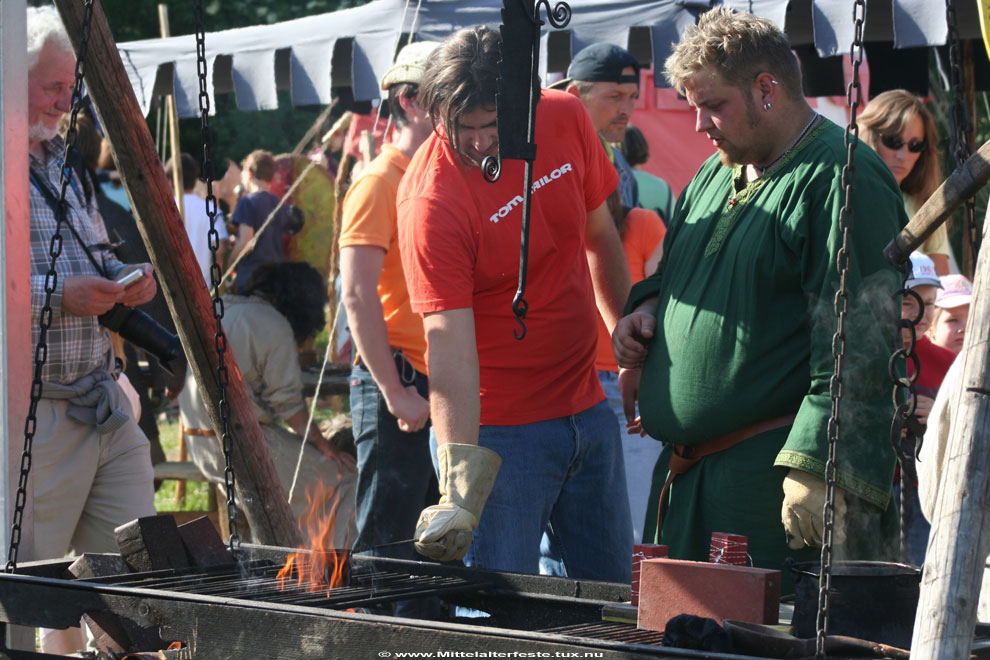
467,474
629,388
410,409
90,295
802,511
141,291
631,337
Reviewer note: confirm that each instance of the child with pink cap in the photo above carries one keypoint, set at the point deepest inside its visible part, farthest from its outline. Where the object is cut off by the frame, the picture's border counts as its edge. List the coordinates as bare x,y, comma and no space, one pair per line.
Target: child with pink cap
948,327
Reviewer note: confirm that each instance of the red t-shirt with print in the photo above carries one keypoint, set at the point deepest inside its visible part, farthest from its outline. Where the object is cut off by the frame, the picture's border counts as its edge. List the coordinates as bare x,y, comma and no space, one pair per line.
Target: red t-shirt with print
459,241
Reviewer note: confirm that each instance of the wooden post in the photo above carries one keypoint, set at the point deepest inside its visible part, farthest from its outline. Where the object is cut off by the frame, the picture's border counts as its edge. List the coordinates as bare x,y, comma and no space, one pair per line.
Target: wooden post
960,541
179,188
173,130
259,492
969,80
962,184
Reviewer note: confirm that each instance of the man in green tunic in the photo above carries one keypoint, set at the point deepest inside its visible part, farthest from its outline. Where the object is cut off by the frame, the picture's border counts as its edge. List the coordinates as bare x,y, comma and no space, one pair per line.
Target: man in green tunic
729,344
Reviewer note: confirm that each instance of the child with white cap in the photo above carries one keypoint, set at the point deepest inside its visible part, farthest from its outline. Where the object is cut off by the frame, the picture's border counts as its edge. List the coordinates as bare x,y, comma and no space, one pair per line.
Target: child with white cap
948,328
934,361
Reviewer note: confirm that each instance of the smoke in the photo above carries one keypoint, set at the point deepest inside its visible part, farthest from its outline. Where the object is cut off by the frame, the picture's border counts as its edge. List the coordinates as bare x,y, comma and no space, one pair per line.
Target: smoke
865,458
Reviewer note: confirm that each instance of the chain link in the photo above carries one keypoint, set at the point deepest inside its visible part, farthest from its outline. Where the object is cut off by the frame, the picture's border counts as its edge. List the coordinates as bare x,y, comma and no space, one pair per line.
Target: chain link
854,97
962,124
213,238
905,429
51,284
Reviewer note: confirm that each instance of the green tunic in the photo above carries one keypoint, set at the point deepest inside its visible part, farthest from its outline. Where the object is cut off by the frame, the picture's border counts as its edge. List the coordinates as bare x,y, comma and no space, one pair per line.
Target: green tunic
745,324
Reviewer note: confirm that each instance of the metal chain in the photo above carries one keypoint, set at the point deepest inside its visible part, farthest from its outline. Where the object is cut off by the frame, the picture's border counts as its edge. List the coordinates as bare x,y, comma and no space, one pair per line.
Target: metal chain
51,283
905,429
961,122
854,96
213,236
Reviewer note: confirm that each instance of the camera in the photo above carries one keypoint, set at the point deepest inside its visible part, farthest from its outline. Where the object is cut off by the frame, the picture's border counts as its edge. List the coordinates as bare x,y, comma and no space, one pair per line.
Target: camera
144,332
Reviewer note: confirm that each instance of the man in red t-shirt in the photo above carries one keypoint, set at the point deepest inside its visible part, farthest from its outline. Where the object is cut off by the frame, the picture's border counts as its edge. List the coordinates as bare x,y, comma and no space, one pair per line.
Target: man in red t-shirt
534,406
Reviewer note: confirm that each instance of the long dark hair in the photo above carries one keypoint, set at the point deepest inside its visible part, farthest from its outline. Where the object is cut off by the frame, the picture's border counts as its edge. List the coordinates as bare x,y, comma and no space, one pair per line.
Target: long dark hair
296,290
462,76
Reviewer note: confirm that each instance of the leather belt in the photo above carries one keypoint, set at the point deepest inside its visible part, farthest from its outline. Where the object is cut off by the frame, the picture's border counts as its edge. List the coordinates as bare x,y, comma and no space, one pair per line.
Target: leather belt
684,457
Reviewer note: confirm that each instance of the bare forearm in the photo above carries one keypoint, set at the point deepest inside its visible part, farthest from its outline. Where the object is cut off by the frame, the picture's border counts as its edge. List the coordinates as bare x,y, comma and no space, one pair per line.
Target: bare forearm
455,404
367,320
607,262
610,276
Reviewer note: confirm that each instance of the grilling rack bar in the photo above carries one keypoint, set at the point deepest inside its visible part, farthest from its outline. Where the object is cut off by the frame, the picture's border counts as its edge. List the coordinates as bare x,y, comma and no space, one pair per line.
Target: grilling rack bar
226,624
256,581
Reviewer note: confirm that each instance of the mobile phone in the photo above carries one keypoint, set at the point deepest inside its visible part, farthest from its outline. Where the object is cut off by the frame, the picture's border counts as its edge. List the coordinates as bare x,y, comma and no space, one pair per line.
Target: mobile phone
131,277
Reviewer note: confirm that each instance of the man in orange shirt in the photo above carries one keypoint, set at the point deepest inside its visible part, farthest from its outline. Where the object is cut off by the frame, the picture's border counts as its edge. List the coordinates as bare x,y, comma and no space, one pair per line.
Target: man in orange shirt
389,386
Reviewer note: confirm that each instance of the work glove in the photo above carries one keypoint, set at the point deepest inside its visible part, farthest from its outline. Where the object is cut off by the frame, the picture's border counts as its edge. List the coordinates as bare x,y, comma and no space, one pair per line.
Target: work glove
467,474
804,505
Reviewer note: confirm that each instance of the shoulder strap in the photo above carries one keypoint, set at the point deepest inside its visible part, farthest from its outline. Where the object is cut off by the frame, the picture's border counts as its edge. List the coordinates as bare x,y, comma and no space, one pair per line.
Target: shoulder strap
52,202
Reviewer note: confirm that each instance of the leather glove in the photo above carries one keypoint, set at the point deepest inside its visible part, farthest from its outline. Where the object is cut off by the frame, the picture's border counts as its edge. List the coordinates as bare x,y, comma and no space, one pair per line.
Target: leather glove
467,474
802,512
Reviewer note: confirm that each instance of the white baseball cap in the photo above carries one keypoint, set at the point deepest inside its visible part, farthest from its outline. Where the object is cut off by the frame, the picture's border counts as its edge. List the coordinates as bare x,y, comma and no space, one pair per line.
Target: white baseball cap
922,271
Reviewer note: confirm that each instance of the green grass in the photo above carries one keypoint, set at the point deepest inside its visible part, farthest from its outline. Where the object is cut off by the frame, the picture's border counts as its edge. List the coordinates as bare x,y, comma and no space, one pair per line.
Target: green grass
197,492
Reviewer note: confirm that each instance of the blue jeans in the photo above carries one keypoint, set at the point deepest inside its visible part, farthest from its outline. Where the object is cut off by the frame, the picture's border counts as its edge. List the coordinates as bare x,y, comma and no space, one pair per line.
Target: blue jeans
639,455
395,480
559,503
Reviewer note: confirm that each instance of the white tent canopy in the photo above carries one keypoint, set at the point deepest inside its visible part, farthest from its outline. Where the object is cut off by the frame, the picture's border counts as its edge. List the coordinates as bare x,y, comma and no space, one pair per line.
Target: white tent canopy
353,47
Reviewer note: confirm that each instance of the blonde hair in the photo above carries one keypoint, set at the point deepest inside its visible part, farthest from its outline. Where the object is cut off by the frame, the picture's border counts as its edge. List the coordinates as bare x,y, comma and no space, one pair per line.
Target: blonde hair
739,47
887,114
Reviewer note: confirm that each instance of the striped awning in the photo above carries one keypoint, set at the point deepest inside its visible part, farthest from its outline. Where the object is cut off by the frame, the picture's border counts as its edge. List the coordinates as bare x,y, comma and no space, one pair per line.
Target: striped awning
353,47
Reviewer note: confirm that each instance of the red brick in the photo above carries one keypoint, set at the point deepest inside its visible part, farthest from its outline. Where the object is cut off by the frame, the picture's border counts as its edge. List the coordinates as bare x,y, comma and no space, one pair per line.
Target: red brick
669,587
643,551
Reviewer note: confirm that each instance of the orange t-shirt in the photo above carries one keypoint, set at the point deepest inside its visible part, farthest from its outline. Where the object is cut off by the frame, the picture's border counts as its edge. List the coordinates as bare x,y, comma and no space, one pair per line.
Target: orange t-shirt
369,218
644,231
459,238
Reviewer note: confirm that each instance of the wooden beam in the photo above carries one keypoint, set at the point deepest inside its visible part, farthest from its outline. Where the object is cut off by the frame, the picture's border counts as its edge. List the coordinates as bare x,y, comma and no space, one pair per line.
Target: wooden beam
962,184
260,495
960,542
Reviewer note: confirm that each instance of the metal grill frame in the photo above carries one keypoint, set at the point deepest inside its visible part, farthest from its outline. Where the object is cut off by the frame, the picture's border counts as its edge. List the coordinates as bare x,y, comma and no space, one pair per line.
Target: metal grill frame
223,627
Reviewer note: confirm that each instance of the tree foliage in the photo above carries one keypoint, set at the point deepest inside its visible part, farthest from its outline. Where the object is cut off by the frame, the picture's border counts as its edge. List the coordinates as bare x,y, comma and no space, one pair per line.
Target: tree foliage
235,133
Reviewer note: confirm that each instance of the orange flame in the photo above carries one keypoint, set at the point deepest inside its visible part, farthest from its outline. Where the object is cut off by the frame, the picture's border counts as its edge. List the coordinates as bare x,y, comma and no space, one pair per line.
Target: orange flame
317,566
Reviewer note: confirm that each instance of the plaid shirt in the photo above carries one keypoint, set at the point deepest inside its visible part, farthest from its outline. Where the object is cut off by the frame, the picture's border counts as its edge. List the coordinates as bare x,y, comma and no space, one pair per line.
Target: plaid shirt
77,345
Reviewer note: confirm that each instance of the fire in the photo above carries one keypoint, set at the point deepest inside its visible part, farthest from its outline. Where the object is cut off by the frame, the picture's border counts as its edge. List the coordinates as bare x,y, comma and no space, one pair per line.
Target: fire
317,566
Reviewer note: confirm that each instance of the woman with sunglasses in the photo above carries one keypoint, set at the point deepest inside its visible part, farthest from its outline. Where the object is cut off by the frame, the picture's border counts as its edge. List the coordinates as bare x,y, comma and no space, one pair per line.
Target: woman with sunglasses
901,129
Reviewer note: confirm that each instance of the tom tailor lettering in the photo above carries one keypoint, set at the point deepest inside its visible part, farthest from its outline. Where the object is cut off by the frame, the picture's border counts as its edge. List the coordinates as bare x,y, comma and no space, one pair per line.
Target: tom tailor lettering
539,183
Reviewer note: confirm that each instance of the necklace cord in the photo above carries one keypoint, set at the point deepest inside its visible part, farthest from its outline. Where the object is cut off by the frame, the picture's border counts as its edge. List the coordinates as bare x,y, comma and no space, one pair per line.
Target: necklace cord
762,169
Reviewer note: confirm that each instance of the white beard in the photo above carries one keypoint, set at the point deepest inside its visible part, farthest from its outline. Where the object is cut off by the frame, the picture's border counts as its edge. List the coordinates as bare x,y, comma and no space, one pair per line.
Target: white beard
39,132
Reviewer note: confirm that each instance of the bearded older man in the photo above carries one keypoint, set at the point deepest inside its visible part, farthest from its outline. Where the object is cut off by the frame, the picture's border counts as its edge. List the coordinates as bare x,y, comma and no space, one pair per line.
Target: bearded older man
91,464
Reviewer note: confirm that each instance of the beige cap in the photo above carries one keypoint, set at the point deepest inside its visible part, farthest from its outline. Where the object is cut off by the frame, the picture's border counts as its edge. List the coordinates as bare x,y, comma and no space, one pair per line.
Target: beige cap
409,63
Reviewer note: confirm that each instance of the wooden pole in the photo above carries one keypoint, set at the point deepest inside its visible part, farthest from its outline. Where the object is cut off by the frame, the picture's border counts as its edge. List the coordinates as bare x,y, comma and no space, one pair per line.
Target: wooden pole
960,540
179,188
969,80
956,189
173,127
260,495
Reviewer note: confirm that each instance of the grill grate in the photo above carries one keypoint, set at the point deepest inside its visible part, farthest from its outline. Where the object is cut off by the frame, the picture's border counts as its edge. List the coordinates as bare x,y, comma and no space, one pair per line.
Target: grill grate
616,632
256,581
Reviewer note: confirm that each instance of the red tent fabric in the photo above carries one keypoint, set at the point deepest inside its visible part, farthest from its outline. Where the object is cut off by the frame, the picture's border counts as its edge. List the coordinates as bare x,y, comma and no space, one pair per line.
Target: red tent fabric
667,122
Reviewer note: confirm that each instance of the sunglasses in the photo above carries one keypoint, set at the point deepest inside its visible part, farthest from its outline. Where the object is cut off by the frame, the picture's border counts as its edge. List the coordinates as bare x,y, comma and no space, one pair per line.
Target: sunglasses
895,142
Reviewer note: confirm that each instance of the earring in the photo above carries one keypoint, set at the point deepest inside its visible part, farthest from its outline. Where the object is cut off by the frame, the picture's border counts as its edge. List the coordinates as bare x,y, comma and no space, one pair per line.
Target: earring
774,82
766,107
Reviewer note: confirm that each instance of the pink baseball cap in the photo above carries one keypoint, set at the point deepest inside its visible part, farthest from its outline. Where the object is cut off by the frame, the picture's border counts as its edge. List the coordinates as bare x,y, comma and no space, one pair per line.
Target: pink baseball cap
956,291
